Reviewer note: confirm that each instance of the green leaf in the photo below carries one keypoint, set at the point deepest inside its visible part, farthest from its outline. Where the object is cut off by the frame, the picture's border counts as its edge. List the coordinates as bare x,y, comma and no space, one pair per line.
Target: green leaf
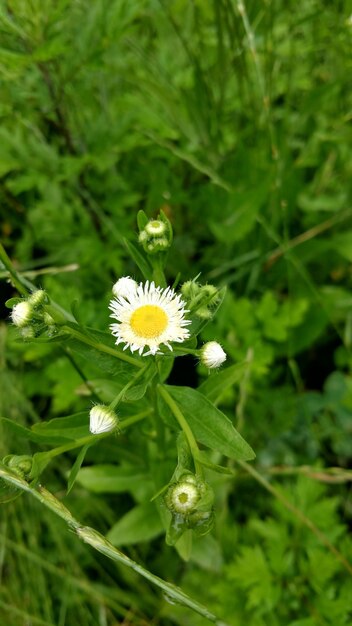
142,220
165,365
63,428
140,524
215,385
76,467
139,260
40,461
12,301
113,478
209,425
206,552
29,434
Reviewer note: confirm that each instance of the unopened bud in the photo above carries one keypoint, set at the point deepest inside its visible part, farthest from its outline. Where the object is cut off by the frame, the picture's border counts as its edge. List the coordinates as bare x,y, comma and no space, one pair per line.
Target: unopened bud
125,286
102,419
28,332
20,464
37,298
155,228
212,355
22,314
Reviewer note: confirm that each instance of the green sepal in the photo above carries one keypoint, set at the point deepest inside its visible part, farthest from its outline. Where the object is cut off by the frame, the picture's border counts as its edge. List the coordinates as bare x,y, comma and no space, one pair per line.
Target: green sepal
12,302
142,220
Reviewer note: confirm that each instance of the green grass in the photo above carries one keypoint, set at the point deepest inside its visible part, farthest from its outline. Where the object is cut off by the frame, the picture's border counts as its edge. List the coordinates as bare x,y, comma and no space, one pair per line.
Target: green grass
234,118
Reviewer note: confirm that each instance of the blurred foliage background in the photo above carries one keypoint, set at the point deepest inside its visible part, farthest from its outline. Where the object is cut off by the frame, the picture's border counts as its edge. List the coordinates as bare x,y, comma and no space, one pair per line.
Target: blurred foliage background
234,118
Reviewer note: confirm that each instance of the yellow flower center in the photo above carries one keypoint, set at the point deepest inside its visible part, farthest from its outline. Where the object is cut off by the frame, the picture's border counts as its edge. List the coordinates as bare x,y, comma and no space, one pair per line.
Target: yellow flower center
149,321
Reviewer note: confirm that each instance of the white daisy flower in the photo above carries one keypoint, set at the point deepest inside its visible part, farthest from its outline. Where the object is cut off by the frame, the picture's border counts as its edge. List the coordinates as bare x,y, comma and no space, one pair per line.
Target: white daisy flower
155,228
148,317
212,355
22,314
124,286
102,419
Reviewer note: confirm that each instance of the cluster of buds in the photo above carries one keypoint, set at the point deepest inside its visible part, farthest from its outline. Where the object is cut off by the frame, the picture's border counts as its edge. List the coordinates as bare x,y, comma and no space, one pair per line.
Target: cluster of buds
156,235
28,315
201,299
190,502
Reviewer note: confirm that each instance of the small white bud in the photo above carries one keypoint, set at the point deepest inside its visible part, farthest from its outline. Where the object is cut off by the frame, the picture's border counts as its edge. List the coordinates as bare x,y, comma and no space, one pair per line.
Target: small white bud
212,355
143,236
22,314
124,287
161,242
28,332
102,419
155,228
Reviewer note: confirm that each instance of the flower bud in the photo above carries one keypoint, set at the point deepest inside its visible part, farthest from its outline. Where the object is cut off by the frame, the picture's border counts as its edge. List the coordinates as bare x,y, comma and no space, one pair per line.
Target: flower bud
155,228
190,502
182,497
212,355
189,290
124,287
37,298
143,236
203,313
28,332
20,464
22,314
102,419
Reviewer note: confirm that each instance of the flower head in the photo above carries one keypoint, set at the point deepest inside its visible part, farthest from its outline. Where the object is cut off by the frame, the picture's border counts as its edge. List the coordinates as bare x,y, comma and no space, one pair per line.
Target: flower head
102,419
212,355
155,228
148,317
183,496
22,314
124,286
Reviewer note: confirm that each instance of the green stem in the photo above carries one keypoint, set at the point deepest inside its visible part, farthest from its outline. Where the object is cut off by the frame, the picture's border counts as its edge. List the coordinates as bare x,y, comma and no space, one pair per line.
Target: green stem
99,543
102,347
135,418
130,383
184,426
191,351
158,272
15,277
91,439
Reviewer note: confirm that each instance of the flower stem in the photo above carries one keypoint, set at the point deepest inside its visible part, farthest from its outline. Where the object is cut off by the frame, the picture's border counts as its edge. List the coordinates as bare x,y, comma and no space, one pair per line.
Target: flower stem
193,446
102,347
158,272
91,439
130,383
98,542
15,277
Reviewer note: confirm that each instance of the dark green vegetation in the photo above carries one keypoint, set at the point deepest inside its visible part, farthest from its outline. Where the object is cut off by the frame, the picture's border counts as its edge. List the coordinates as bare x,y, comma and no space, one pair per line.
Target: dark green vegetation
233,118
